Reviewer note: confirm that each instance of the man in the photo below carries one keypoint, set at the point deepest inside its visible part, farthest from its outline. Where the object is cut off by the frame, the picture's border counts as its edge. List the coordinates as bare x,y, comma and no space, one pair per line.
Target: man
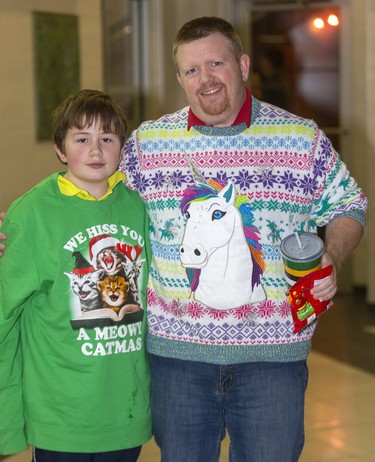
230,168
219,363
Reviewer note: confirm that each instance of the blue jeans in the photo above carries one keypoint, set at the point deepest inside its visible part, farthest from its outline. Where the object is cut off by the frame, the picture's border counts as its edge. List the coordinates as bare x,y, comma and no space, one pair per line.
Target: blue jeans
260,405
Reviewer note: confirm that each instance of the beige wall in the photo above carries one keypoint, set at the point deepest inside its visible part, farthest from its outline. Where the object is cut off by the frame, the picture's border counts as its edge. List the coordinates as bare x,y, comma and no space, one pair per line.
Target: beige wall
359,118
355,114
24,161
369,162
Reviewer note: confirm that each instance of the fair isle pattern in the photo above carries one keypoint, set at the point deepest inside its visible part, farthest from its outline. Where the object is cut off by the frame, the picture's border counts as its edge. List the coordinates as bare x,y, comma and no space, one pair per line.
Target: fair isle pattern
293,180
240,324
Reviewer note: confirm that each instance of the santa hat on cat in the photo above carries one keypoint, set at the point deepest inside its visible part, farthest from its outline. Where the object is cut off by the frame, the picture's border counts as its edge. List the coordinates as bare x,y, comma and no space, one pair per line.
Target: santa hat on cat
99,243
82,266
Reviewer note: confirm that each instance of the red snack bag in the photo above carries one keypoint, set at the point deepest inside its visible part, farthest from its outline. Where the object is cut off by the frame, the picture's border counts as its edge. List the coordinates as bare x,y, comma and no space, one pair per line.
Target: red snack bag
305,308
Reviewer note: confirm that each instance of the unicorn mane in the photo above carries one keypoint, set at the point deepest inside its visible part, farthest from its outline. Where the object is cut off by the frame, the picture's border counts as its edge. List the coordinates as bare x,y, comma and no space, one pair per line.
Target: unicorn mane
199,192
252,239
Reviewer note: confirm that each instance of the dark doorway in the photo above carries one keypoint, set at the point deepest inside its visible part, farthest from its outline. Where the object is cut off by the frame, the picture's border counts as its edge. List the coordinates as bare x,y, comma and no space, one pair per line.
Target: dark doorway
296,63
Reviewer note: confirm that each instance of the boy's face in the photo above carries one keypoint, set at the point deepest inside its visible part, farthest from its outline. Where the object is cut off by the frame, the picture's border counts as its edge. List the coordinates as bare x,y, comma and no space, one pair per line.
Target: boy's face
92,156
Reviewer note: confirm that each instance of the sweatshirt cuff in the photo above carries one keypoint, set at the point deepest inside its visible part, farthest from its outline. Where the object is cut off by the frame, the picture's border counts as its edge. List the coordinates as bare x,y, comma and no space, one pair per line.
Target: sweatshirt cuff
13,441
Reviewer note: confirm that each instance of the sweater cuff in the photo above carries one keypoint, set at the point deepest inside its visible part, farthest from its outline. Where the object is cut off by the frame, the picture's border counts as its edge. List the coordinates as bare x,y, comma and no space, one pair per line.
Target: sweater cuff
358,215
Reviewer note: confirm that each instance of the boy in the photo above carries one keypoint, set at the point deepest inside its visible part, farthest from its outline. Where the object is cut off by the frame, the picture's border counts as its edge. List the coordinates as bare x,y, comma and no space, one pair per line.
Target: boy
74,379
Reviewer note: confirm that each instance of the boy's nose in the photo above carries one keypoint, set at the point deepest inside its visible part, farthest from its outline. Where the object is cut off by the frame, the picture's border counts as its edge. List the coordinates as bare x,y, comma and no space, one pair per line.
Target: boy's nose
96,149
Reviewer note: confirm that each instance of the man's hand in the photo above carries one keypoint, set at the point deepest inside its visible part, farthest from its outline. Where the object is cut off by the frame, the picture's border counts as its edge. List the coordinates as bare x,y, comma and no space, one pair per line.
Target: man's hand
341,238
2,235
327,287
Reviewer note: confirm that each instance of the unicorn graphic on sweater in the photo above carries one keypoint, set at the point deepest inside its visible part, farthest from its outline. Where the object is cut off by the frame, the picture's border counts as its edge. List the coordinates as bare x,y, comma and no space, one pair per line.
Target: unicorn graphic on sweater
220,249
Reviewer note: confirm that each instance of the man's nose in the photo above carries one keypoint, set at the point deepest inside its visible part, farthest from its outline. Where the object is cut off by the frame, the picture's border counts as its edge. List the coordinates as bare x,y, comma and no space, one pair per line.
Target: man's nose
206,73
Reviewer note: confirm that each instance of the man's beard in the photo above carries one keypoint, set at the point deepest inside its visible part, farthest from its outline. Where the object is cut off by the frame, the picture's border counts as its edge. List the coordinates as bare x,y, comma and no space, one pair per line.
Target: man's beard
215,108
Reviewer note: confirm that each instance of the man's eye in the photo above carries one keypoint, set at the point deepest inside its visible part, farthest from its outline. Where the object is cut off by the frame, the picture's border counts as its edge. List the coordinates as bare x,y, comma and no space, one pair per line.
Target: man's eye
216,63
191,71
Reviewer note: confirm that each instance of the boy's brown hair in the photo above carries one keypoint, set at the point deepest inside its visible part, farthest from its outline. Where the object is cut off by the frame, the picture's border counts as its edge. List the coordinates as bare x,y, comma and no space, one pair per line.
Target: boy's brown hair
84,108
203,27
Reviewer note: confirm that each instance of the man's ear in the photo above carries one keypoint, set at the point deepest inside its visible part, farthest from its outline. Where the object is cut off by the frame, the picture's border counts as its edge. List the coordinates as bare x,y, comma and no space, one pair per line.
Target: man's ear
245,66
179,78
60,154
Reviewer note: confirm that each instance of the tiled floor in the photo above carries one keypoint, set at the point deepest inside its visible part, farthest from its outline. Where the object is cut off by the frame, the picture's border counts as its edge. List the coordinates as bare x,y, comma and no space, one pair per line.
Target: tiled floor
340,401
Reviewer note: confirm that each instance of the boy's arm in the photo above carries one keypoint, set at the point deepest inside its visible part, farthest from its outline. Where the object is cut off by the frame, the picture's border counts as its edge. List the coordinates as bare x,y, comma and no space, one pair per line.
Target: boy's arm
18,280
12,434
2,235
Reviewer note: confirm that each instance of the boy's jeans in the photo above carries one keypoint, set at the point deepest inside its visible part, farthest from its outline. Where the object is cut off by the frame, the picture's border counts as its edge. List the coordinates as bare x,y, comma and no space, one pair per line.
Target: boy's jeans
261,405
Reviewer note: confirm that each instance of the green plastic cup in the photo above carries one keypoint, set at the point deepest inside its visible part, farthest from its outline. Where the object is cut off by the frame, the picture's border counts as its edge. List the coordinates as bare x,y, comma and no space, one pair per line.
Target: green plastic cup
302,254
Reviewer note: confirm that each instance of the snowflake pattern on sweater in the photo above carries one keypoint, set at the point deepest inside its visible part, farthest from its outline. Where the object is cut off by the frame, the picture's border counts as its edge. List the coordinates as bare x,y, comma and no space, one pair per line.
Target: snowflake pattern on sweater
292,180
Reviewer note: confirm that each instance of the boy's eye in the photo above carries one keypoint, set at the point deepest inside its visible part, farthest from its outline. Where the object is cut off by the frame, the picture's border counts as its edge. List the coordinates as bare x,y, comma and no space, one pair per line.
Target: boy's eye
81,140
107,140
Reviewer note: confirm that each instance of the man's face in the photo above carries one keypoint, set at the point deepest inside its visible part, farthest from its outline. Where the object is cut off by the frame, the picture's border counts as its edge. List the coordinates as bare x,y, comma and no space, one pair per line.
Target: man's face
213,79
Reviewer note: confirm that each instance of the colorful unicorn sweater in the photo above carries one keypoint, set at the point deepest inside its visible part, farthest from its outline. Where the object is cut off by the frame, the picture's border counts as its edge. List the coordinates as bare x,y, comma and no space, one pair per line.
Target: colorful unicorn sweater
220,201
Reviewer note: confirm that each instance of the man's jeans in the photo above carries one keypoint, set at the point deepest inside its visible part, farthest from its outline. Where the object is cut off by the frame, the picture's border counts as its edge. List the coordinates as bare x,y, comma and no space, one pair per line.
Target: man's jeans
260,405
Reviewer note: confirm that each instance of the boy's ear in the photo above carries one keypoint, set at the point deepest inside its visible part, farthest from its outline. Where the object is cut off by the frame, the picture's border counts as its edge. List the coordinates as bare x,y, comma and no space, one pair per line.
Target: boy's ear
121,152
60,154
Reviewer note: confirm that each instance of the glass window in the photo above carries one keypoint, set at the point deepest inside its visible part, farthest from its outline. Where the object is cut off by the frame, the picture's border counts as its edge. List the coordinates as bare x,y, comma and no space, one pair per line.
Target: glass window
123,48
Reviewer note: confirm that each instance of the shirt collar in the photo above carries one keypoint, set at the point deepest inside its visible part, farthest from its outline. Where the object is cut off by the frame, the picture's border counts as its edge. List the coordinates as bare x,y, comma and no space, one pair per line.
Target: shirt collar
67,188
244,116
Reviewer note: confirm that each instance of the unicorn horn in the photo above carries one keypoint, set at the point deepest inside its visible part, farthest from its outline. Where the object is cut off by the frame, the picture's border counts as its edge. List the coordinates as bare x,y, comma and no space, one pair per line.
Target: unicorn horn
196,174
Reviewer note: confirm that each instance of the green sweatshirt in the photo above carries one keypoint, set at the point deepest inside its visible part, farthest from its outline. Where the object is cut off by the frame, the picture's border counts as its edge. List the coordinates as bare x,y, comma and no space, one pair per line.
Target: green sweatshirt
73,369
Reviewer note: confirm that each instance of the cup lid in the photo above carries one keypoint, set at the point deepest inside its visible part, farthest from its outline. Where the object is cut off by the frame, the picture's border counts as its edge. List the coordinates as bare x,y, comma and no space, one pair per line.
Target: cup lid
312,246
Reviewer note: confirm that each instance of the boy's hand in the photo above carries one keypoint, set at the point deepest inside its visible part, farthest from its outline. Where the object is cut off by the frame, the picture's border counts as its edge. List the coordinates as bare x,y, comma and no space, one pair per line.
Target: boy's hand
2,235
